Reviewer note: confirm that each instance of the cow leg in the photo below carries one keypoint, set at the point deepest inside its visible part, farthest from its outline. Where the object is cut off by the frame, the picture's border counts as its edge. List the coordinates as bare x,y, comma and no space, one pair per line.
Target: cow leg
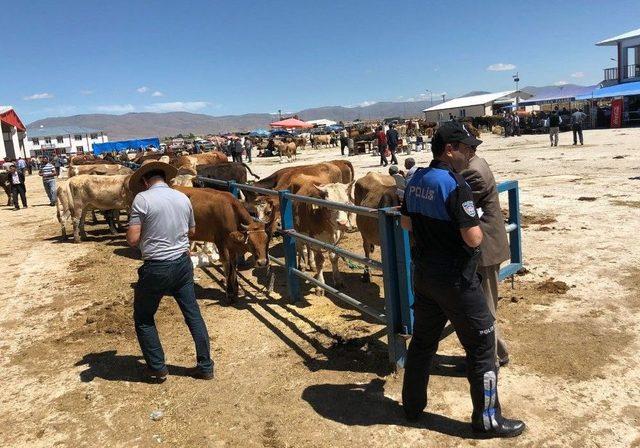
311,258
337,276
111,218
301,250
366,276
232,279
83,234
319,256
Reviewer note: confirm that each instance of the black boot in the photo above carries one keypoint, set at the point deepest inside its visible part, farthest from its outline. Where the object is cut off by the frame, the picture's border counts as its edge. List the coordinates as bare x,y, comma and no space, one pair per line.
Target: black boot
507,428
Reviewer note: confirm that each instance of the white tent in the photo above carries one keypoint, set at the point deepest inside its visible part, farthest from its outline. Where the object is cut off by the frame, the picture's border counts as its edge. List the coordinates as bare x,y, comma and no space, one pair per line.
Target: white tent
322,122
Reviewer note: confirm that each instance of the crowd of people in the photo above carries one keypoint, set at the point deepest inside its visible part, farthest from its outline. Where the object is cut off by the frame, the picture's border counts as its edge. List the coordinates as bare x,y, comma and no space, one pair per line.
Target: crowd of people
17,170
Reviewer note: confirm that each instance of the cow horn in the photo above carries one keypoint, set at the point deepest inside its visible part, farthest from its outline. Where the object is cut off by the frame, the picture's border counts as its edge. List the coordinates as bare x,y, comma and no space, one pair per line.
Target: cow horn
244,226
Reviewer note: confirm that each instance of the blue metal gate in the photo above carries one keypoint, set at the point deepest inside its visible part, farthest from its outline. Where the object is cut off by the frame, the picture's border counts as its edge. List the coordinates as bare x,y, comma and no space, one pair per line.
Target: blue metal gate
395,255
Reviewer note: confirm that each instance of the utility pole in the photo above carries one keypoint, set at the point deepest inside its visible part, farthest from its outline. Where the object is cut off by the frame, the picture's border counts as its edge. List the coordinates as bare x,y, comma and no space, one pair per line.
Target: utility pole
516,79
443,95
279,114
430,97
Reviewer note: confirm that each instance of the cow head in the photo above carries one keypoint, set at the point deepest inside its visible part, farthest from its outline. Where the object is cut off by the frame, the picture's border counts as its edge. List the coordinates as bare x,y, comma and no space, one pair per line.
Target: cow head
339,192
267,210
253,238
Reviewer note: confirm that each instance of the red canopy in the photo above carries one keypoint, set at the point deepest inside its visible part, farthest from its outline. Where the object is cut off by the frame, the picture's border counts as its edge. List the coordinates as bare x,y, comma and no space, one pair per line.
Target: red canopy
291,123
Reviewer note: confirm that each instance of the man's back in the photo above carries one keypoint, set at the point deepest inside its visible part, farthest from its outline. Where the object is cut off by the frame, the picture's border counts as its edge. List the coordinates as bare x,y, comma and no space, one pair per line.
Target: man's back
166,216
578,117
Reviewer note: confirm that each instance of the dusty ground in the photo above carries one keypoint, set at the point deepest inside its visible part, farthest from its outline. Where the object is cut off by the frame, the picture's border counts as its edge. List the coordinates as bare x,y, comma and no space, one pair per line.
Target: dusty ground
315,374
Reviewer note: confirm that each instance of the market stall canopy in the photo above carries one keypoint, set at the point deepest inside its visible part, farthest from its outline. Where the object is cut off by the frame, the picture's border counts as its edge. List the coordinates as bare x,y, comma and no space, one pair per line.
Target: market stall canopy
280,133
291,123
625,89
322,122
259,133
124,145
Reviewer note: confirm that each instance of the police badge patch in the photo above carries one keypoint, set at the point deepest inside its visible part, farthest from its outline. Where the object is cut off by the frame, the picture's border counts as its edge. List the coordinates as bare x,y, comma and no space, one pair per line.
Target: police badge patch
469,208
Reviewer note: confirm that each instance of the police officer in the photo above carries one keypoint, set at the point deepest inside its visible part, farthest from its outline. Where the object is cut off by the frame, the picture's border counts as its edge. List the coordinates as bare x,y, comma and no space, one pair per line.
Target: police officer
438,208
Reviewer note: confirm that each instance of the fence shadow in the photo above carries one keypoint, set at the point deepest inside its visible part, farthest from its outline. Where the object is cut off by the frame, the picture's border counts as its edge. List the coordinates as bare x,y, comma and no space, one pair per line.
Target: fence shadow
366,405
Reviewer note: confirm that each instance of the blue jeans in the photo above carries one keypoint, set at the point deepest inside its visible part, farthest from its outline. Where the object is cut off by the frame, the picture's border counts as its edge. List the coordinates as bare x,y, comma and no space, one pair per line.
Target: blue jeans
50,188
159,278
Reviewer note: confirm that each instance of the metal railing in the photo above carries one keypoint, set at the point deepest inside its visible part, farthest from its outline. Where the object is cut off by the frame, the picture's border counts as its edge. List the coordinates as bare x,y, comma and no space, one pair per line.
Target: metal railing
513,227
631,71
611,74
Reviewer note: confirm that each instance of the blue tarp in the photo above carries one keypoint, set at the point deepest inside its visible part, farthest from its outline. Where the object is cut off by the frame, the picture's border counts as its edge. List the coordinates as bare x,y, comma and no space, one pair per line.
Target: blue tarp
280,133
624,89
100,148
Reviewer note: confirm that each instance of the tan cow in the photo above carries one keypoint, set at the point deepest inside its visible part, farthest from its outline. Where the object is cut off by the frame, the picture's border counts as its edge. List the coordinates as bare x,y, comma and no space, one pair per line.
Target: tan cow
207,158
98,169
374,191
287,149
317,140
324,224
88,192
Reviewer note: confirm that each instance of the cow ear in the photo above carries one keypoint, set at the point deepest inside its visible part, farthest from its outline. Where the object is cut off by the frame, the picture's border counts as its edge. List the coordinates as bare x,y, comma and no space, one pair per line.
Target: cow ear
323,190
237,237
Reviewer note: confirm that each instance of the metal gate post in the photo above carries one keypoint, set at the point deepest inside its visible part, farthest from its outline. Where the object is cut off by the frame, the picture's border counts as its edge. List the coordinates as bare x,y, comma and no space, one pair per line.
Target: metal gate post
396,343
405,276
233,188
289,245
514,216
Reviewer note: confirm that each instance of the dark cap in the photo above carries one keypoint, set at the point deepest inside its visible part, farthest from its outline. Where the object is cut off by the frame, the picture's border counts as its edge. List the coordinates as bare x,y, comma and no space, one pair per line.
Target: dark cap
453,132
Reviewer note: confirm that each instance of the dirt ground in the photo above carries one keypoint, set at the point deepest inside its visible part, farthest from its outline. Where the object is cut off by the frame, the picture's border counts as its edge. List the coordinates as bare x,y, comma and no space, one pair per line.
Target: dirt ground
316,374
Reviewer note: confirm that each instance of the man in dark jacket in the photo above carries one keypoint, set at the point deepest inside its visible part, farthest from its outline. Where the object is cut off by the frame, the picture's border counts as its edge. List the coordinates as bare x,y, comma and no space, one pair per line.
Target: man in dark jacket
494,248
16,180
554,126
236,151
392,142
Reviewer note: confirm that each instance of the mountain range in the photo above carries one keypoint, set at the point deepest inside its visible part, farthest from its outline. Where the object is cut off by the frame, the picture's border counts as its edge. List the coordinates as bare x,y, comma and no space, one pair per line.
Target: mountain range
149,124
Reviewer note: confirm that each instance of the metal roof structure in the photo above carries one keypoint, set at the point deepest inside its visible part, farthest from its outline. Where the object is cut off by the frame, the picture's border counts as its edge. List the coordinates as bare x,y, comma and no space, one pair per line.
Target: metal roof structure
9,116
560,93
624,89
614,40
54,131
477,100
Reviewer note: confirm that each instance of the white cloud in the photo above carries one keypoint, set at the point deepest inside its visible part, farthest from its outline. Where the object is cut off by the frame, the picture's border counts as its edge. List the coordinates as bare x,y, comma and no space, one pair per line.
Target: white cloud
560,83
38,96
367,103
157,93
577,75
142,89
86,92
177,106
116,108
500,67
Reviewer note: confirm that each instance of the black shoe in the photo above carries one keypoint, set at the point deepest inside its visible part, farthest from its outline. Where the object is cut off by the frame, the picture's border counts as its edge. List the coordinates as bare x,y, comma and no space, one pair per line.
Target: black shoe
508,428
503,361
198,374
158,376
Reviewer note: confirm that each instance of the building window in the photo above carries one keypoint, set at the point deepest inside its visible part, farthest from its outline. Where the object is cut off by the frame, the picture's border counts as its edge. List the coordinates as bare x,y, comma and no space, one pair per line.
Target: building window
462,113
79,149
59,139
47,140
94,136
35,141
77,137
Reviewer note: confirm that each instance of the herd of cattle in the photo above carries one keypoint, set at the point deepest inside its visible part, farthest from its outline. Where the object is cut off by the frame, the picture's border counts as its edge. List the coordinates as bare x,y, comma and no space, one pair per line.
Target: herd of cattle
238,226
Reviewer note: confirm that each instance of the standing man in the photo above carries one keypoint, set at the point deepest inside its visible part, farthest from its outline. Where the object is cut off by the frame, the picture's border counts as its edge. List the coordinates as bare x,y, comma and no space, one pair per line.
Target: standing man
236,151
248,146
577,118
344,135
382,146
392,141
554,126
22,165
16,180
161,222
495,245
438,208
48,173
411,167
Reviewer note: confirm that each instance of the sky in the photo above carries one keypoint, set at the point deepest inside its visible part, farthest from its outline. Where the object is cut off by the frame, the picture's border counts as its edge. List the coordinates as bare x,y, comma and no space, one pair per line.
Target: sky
73,57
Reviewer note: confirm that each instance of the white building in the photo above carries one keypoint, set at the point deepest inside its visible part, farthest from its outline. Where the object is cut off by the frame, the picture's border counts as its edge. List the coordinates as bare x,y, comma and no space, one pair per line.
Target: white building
13,132
63,139
473,106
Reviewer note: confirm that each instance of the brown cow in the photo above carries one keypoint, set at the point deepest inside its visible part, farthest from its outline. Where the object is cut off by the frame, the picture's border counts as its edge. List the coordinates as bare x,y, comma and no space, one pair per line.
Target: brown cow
223,220
194,160
228,171
6,185
324,224
98,169
317,140
374,191
286,149
89,192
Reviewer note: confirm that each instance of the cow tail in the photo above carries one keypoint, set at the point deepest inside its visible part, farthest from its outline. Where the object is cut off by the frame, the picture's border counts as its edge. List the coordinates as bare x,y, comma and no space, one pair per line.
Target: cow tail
250,172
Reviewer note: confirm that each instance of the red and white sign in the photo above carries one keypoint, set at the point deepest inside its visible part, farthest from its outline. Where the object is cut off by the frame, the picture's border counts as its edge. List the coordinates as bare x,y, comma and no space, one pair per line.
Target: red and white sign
616,113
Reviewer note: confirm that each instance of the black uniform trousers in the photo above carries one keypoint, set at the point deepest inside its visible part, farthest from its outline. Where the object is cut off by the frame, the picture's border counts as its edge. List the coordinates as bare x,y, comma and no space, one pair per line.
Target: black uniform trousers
461,302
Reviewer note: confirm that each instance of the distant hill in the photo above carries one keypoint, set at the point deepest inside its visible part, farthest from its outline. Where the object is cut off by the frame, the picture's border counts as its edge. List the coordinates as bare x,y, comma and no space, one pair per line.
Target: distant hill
148,124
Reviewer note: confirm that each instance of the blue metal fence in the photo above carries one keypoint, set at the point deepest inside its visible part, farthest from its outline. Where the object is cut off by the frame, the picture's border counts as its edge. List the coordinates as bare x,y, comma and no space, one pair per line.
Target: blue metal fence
395,256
